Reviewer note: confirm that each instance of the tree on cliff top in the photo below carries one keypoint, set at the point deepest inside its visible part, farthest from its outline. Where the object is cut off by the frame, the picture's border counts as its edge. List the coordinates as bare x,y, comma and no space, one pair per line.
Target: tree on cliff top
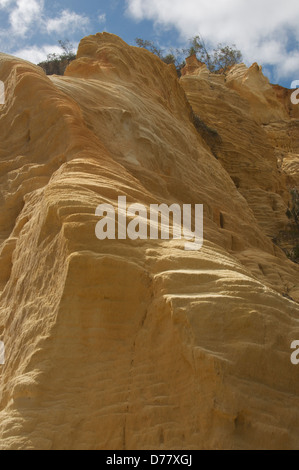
57,63
170,58
219,60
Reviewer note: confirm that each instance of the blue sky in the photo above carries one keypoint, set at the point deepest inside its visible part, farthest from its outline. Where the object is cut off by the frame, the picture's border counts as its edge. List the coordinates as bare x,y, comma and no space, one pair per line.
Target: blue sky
266,31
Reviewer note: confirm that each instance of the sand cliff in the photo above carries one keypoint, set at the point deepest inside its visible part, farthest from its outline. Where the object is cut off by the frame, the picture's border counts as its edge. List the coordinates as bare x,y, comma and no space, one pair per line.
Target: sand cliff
122,344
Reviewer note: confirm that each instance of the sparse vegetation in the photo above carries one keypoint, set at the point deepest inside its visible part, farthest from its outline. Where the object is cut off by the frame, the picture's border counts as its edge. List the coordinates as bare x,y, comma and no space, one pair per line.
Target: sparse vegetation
219,60
172,57
57,63
150,46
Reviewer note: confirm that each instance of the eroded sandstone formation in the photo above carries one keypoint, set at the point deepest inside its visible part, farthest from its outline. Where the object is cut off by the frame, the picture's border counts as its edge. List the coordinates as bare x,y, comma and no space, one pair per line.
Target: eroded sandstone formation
122,344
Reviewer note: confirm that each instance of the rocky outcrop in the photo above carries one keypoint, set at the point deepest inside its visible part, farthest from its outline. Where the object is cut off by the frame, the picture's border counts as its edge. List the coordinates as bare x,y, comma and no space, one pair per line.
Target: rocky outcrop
121,344
257,144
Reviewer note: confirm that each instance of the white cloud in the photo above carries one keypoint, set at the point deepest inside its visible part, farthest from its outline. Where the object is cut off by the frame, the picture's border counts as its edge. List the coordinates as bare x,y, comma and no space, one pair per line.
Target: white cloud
37,54
26,17
5,3
102,18
25,13
67,22
260,28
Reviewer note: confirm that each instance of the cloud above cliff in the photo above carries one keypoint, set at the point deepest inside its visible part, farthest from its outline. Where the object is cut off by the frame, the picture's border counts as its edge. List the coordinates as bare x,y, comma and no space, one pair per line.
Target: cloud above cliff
24,13
28,16
37,54
66,22
266,31
27,19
